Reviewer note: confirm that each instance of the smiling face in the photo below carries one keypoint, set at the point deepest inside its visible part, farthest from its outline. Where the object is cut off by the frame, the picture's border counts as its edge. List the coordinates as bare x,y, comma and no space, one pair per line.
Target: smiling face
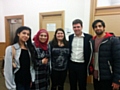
24,35
43,37
77,29
60,35
99,29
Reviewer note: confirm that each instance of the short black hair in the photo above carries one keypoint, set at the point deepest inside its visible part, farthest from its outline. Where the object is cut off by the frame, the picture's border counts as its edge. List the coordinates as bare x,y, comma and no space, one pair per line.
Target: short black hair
97,21
76,21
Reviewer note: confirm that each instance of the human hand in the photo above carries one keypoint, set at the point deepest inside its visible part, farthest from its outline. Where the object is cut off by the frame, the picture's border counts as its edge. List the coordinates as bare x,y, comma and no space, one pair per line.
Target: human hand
115,86
44,60
30,84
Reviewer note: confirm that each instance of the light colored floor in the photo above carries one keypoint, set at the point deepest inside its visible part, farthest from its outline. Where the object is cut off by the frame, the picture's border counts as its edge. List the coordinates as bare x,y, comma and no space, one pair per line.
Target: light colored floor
66,86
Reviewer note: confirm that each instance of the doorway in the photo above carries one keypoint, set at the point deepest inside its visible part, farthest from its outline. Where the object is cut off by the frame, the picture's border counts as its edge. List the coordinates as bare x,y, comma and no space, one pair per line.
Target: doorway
11,24
51,21
14,24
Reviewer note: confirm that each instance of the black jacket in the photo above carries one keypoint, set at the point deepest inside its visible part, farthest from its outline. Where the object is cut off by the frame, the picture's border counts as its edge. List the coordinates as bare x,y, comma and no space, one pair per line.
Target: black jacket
108,59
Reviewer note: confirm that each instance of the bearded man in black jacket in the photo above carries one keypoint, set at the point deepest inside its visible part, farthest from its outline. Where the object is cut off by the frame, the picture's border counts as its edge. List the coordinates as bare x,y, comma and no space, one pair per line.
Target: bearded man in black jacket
106,58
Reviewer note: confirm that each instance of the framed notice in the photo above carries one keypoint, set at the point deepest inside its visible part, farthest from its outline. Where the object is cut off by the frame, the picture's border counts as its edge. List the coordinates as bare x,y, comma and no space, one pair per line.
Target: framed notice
51,27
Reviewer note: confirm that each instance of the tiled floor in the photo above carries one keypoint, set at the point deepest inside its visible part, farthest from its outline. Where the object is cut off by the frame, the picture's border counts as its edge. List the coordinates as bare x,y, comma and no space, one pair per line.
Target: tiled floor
2,84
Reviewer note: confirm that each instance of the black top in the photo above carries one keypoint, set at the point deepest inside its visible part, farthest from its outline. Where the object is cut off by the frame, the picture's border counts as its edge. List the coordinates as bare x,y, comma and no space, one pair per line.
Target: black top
60,56
23,75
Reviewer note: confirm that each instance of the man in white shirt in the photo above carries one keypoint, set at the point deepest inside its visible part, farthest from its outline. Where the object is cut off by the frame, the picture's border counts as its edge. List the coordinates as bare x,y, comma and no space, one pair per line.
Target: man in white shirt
79,56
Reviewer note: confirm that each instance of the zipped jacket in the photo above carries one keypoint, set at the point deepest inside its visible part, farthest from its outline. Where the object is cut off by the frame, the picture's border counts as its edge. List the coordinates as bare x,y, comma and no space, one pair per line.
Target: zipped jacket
108,58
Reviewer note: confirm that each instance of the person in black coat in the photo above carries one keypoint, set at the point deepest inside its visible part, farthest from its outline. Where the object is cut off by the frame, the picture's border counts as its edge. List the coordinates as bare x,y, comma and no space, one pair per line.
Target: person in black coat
79,56
106,58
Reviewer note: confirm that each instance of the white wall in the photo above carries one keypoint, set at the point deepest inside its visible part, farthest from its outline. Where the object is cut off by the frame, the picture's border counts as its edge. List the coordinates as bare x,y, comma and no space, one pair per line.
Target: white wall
86,17
31,9
2,31
103,3
115,2
107,2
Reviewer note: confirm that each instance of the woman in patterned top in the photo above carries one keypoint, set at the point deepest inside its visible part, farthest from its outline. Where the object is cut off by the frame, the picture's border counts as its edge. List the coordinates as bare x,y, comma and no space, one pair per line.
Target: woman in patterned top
59,59
42,62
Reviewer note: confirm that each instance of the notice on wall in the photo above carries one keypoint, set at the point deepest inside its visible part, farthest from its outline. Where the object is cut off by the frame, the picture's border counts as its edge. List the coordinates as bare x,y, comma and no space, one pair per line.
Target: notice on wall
51,27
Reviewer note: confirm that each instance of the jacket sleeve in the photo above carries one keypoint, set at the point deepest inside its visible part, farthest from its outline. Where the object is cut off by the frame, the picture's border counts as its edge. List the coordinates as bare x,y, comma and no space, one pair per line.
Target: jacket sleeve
116,60
8,70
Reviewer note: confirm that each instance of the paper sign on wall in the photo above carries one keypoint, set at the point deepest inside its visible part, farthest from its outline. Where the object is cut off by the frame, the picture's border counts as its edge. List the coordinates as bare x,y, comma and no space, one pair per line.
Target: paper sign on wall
51,27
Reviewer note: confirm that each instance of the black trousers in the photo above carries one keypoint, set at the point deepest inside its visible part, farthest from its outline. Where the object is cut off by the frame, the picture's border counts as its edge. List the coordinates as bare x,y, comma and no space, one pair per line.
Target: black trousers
102,84
22,87
78,76
58,79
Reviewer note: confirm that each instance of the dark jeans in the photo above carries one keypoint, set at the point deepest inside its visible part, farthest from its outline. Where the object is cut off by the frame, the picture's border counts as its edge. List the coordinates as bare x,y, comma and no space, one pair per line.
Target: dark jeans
102,84
78,76
22,87
58,79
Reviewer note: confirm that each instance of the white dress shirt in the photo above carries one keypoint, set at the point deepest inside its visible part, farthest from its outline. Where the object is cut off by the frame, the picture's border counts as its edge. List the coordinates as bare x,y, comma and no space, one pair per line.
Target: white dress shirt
77,54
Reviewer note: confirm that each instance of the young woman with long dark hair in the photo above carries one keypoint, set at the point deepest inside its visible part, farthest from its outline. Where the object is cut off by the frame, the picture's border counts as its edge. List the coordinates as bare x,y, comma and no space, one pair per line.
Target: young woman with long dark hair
20,73
59,59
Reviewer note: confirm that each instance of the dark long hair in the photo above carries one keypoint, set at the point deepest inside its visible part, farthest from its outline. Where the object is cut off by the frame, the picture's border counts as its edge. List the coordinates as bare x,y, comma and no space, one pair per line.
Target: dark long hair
54,42
29,42
19,30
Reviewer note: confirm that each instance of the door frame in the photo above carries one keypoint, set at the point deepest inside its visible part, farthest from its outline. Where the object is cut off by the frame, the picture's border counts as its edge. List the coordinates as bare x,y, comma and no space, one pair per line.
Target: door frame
7,27
54,13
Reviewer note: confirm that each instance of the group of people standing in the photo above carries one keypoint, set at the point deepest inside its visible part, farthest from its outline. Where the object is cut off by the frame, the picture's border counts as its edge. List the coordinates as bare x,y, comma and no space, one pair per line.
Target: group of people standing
35,63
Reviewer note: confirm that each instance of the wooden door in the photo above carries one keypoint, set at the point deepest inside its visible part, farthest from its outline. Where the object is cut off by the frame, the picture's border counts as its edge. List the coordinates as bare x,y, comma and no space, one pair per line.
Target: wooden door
8,26
51,21
8,33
